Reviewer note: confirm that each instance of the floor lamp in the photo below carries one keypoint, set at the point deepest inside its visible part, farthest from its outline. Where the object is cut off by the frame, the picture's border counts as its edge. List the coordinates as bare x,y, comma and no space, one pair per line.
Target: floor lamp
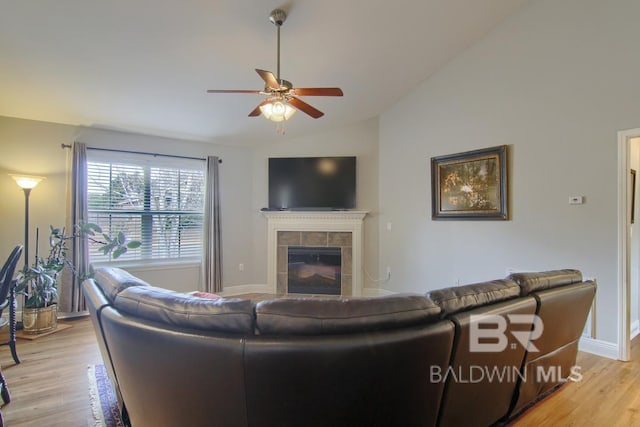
27,183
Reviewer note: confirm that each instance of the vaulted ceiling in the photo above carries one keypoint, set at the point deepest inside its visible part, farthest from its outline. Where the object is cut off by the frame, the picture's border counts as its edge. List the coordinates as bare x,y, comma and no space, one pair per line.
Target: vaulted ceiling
145,65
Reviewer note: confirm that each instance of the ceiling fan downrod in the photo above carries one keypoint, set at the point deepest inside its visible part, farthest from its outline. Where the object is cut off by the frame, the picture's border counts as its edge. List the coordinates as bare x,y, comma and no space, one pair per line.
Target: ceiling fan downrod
277,18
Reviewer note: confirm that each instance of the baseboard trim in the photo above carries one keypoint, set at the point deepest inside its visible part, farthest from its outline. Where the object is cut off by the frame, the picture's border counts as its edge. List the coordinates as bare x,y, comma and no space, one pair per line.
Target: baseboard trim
635,328
375,292
245,289
73,315
599,348
60,315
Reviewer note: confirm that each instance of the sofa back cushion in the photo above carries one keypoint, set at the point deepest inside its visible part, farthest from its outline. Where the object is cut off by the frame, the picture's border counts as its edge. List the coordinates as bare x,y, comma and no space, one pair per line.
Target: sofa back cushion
182,310
482,381
461,298
532,282
381,378
113,280
563,312
318,316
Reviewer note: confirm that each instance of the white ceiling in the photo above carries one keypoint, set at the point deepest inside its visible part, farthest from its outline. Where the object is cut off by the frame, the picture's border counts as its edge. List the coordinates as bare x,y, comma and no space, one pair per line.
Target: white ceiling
145,65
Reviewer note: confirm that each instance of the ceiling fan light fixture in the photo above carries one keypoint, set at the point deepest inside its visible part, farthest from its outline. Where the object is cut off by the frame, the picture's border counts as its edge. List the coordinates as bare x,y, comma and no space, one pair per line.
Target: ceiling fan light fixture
277,110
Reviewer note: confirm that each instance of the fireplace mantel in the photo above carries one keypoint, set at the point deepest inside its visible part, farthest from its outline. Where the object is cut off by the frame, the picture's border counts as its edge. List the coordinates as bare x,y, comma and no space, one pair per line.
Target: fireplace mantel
330,221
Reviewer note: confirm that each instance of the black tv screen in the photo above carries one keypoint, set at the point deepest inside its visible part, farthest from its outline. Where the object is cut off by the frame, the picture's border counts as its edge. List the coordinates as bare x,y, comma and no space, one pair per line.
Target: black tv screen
312,183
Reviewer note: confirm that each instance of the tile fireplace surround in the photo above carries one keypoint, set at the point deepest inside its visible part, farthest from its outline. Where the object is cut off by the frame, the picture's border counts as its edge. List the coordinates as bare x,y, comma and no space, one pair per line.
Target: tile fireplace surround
342,229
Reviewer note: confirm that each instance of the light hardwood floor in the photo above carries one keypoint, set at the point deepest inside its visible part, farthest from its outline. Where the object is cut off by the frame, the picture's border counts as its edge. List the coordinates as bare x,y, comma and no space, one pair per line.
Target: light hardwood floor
50,386
608,395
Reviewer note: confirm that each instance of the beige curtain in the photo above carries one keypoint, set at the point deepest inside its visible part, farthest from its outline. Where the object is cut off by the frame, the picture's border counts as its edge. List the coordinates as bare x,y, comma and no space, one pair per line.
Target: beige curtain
212,254
69,290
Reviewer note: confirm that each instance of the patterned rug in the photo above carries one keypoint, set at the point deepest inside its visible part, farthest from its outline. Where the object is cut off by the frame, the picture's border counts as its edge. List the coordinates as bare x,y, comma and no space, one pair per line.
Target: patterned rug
103,399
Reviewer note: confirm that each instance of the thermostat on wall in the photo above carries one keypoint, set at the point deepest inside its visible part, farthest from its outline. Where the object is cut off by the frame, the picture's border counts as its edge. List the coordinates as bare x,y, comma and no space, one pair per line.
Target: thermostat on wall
576,200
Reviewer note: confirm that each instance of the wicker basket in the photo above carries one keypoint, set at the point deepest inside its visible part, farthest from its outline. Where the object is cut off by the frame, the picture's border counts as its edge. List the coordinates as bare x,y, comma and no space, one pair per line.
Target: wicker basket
40,320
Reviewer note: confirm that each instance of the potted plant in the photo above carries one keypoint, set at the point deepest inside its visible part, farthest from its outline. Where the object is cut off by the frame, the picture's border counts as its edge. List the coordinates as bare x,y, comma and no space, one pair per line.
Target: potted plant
38,282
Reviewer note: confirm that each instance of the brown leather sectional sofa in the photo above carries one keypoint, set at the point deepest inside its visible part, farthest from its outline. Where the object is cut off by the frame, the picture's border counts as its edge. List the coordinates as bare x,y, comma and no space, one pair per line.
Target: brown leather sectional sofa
472,355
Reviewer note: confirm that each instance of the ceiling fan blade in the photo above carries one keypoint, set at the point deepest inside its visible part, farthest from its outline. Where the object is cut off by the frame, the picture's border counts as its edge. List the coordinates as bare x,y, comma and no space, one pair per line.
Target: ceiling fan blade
306,108
317,91
269,79
256,111
232,91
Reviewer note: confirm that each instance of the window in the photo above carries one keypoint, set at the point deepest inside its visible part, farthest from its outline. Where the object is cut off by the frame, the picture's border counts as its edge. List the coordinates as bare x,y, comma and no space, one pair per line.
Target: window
158,200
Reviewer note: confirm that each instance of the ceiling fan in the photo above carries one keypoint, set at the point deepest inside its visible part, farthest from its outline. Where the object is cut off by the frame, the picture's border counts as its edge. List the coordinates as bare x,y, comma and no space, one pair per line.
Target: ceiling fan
282,98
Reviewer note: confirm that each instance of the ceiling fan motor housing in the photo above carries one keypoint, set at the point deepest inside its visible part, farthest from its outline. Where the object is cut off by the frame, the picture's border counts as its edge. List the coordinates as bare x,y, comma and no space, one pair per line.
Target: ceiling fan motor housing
278,16
285,85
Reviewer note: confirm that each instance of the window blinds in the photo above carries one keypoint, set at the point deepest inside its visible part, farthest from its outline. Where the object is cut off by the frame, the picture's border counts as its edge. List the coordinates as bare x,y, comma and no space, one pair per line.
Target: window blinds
157,200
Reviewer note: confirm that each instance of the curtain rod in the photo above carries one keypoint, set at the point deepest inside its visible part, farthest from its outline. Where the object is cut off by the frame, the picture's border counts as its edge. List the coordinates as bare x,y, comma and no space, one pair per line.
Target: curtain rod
141,152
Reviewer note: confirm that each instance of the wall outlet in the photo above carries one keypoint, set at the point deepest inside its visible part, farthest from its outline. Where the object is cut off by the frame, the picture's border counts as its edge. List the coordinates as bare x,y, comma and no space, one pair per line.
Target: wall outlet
388,271
241,267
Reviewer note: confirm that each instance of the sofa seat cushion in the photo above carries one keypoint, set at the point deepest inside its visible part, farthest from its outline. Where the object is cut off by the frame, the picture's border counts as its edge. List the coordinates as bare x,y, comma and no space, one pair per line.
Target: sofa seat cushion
461,298
318,316
532,282
229,315
113,280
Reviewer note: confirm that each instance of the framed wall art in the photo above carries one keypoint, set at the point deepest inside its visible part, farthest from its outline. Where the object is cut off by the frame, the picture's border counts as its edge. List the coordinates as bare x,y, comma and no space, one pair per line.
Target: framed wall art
470,185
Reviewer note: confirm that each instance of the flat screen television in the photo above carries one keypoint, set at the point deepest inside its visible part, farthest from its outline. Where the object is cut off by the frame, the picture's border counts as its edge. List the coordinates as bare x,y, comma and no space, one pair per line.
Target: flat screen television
312,183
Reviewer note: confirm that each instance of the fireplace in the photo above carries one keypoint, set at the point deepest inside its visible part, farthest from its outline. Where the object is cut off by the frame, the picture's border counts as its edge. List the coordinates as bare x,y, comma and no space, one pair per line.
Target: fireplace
304,254
314,270
331,229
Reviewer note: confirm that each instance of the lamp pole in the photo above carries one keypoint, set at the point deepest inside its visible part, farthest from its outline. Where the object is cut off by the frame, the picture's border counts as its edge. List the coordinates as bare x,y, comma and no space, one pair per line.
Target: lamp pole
27,191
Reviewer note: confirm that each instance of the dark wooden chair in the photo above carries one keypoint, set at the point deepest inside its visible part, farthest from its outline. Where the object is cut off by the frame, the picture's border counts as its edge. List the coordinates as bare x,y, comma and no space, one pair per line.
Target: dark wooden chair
8,298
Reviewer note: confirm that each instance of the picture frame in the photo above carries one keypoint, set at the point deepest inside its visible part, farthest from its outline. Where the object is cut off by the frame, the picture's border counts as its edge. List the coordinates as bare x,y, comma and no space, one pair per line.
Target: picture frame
470,185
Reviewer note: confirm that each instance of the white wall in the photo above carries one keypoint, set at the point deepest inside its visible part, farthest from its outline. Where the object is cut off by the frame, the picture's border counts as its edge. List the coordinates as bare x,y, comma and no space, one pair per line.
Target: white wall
360,140
33,147
555,82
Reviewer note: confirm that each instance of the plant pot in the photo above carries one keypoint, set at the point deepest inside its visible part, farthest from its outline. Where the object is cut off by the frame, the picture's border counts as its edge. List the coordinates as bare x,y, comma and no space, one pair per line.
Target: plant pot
40,320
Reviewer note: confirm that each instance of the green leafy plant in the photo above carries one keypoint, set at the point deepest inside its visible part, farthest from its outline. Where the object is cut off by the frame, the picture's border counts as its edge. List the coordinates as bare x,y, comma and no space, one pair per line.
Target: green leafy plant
38,282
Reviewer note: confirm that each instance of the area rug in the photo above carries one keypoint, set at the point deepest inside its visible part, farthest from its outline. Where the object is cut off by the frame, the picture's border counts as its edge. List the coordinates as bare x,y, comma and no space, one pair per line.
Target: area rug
104,404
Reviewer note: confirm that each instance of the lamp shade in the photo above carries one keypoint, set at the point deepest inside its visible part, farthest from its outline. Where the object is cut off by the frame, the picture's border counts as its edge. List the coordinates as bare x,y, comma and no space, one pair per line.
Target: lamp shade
277,110
27,181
